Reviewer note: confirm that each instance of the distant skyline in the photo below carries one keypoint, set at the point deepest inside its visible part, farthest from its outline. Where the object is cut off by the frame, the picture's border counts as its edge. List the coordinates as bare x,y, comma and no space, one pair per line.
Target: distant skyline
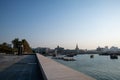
48,23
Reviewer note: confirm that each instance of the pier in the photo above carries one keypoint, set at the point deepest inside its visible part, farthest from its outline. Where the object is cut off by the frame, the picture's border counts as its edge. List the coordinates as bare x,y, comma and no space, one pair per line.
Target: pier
55,71
36,67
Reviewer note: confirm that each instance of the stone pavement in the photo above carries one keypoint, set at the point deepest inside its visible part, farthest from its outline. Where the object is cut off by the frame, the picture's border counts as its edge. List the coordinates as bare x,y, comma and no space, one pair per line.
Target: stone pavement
56,71
23,67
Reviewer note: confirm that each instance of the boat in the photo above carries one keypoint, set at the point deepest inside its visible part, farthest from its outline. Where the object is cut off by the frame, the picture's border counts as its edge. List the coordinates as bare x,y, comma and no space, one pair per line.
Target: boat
113,56
91,56
71,55
68,59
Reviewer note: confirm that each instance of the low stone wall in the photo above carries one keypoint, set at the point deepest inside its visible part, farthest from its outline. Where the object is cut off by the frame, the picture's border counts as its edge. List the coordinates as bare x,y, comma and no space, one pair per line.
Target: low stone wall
52,70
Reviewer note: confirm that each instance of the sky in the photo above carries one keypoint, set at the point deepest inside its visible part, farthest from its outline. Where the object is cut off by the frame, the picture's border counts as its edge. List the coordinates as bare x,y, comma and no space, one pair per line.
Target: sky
48,23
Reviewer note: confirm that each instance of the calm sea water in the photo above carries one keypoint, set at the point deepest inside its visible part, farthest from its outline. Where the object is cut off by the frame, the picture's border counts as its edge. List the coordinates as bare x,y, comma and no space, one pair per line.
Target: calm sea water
99,67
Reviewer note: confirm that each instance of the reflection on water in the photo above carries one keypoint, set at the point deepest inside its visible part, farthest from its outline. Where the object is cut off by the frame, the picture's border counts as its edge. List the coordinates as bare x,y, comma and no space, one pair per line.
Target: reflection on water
99,67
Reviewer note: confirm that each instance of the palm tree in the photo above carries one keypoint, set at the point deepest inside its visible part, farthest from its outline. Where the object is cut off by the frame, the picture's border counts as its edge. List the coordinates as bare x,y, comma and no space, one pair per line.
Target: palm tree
15,43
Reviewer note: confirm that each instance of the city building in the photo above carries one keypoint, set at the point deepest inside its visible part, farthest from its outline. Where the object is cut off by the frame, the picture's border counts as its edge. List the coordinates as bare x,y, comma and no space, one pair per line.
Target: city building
60,50
106,49
42,50
114,49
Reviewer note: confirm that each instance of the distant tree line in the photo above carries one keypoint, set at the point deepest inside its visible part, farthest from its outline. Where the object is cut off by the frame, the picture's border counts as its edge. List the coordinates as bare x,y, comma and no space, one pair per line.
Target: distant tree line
4,48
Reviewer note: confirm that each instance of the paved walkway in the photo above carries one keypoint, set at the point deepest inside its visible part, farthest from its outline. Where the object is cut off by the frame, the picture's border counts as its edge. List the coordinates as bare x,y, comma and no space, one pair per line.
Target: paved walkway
22,67
56,71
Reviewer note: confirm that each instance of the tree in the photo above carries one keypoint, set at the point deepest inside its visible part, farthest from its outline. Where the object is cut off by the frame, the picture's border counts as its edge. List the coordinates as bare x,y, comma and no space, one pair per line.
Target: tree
5,44
4,48
26,46
15,43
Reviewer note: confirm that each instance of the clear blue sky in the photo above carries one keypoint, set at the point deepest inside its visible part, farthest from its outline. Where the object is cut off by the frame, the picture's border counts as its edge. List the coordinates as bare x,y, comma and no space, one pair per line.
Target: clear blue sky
48,23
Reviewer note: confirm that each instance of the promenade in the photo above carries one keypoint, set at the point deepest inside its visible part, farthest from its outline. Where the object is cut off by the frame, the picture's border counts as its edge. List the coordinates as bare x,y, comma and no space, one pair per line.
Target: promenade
23,67
36,67
55,71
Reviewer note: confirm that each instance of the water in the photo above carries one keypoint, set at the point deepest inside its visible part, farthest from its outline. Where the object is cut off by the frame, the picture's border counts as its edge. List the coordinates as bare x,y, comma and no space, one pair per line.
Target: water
99,67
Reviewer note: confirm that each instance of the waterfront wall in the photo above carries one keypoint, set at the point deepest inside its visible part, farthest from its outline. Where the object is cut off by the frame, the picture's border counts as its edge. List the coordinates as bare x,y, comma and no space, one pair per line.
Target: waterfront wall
52,70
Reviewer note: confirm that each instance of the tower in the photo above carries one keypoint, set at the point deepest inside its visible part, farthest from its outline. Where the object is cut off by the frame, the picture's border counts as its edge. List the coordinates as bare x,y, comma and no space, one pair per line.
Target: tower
77,49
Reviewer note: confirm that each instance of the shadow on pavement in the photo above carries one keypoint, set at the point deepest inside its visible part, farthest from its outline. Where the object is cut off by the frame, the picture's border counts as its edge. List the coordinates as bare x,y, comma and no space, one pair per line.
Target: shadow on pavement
25,69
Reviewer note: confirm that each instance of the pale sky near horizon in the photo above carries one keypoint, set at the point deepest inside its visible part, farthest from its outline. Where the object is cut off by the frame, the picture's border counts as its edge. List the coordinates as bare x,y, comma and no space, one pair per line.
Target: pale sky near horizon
48,23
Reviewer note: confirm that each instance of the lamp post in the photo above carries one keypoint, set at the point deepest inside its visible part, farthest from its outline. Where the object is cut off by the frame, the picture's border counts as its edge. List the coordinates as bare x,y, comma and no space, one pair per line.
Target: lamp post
19,48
